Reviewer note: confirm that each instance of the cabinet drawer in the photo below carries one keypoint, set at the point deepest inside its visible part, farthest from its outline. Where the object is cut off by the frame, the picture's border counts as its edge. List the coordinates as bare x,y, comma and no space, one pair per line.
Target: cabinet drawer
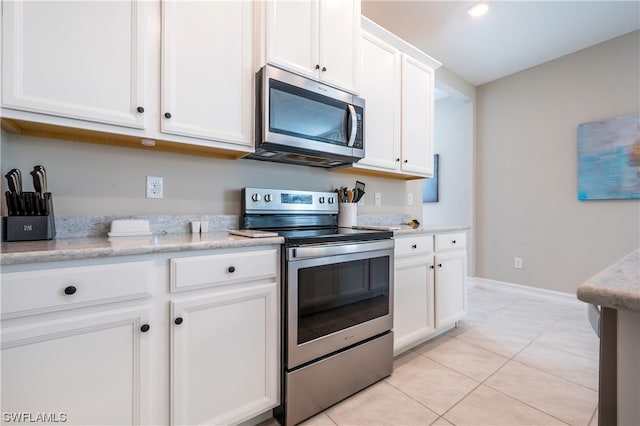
451,241
46,290
221,269
407,246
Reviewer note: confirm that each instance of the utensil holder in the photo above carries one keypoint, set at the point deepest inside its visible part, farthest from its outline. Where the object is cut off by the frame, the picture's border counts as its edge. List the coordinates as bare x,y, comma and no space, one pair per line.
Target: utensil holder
347,215
31,228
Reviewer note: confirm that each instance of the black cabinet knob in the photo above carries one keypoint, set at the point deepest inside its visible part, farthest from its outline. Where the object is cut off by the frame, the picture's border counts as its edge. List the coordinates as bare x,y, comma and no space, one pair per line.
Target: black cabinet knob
167,115
317,66
145,328
453,241
69,290
415,246
397,160
140,110
178,320
324,69
432,267
439,265
406,161
231,269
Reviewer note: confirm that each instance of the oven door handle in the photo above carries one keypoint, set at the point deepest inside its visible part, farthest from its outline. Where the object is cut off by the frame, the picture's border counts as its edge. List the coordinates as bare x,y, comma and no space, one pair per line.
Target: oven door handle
325,250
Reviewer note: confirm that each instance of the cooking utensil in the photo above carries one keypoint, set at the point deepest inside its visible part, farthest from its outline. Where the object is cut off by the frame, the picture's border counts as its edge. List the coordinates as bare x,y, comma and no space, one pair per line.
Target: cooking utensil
359,191
349,196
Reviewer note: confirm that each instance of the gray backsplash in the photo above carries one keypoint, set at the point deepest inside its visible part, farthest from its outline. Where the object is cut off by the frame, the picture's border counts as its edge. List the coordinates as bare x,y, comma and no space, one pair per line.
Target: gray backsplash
98,226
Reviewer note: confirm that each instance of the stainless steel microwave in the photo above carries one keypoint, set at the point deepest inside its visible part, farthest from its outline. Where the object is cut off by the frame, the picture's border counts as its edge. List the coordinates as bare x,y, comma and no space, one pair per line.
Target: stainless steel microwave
302,121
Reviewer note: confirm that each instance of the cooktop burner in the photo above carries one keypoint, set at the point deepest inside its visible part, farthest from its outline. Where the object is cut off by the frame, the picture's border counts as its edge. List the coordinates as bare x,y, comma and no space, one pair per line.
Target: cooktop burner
324,235
301,217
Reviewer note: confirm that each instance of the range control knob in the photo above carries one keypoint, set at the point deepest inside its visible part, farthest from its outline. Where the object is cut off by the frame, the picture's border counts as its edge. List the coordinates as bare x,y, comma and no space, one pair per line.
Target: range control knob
267,198
256,197
321,200
330,200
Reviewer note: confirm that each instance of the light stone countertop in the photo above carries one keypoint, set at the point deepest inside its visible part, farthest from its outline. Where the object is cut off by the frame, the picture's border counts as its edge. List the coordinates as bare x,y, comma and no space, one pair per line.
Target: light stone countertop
14,253
617,287
406,230
63,249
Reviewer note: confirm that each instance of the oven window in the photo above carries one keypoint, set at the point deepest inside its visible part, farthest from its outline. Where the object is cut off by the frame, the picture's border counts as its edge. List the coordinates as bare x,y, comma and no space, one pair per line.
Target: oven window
341,295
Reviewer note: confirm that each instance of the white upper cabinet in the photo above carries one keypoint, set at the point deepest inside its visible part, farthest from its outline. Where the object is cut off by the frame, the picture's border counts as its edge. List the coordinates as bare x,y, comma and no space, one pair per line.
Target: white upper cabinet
417,117
207,70
397,83
75,59
380,87
317,38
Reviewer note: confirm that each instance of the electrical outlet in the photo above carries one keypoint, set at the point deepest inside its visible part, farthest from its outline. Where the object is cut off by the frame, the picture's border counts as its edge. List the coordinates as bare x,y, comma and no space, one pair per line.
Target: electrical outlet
410,199
155,187
517,262
378,199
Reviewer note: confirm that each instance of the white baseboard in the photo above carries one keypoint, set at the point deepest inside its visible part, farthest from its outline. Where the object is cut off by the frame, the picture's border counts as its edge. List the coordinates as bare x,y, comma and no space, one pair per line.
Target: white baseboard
488,284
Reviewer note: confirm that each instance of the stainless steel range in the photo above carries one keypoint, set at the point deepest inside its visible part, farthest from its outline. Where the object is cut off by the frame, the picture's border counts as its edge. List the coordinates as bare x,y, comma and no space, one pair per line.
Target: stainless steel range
337,302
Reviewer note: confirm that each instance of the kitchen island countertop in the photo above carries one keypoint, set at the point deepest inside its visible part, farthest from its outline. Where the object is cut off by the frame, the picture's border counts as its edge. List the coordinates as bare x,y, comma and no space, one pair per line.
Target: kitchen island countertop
616,287
21,252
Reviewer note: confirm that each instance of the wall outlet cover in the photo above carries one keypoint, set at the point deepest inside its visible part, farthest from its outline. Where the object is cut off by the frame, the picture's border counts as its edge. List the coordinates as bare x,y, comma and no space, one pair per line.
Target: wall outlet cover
155,187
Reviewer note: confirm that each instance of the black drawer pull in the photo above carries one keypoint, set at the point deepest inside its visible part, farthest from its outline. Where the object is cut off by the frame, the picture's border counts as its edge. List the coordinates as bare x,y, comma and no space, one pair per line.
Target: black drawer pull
70,290
415,246
167,115
145,328
439,265
231,269
453,241
431,267
140,109
178,320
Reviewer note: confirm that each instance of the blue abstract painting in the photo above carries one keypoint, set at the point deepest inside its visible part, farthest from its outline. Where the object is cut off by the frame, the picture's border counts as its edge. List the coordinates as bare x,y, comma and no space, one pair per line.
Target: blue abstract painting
609,159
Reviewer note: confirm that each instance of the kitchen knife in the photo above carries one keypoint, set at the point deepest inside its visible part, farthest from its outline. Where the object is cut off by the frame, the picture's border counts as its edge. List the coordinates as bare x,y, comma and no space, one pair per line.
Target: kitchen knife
11,181
43,180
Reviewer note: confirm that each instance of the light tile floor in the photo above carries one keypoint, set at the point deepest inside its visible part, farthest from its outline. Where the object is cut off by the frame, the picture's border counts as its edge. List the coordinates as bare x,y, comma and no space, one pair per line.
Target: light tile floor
515,360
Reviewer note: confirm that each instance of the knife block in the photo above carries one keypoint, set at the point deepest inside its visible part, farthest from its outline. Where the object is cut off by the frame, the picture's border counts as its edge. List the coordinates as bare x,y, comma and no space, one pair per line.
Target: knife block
31,228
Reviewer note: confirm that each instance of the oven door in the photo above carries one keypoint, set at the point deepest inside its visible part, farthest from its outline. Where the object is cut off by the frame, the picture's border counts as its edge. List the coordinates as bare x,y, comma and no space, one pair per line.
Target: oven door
337,295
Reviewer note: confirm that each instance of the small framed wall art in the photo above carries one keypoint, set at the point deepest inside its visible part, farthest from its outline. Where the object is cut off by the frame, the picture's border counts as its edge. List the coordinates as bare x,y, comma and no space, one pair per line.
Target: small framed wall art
609,159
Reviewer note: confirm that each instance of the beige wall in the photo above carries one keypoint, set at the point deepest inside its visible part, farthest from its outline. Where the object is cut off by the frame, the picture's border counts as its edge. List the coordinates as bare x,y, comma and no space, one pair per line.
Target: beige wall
88,179
526,178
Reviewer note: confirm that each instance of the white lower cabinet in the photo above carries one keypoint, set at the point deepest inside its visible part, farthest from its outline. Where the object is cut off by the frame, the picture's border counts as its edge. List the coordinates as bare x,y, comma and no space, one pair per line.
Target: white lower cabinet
144,340
413,307
224,355
72,365
429,287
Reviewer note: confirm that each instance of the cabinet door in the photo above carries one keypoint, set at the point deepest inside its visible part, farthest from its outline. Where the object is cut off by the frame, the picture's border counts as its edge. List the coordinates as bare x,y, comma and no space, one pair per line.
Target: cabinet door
417,117
380,87
207,70
292,35
413,315
340,43
451,295
83,370
75,59
224,365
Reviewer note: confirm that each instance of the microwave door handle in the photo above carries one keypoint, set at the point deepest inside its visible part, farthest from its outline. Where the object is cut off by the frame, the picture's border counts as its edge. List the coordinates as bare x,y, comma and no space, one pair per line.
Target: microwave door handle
354,125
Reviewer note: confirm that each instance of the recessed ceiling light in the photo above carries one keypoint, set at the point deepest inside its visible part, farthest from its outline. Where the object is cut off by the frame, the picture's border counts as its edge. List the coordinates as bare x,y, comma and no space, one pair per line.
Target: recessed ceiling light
478,9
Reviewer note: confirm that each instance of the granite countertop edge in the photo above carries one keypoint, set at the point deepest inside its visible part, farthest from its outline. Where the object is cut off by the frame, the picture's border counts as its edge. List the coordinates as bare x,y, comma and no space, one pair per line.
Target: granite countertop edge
406,230
616,287
78,248
96,247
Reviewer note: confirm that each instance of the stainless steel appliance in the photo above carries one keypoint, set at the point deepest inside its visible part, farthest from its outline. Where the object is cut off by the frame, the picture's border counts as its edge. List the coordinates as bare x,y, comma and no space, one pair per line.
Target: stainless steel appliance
302,121
337,302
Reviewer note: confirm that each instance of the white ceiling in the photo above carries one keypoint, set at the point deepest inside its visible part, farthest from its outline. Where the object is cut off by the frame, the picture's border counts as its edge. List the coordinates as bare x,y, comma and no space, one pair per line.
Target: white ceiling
512,36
